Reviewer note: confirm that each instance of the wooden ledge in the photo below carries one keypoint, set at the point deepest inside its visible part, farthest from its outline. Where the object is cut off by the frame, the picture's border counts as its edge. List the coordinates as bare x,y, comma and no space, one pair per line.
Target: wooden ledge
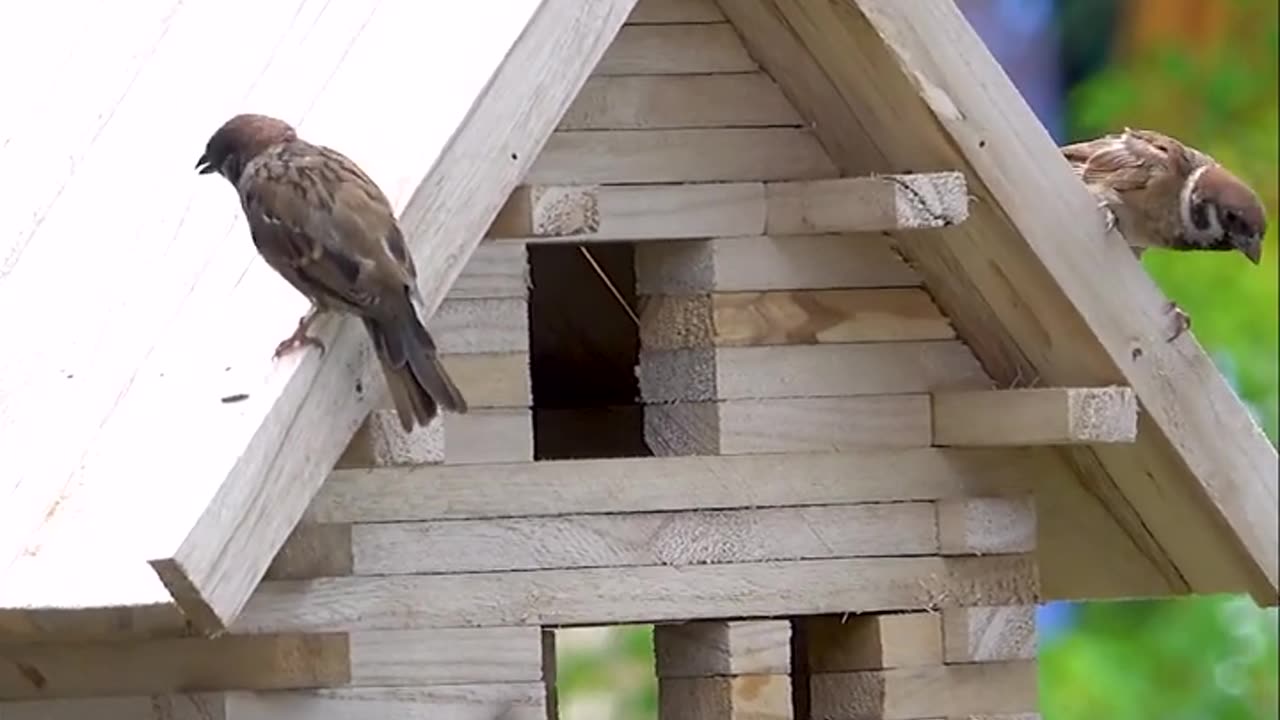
1040,416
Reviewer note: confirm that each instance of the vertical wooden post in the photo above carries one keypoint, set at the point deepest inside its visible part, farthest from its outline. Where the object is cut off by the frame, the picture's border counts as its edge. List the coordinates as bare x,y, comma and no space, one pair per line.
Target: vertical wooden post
724,670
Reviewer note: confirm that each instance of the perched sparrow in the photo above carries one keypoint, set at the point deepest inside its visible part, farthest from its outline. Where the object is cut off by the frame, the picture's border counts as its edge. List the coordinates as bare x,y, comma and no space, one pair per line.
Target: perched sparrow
1161,193
321,223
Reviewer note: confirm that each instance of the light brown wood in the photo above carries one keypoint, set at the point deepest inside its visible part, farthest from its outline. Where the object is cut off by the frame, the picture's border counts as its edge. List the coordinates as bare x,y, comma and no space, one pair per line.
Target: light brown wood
261,662
491,380
844,643
788,425
797,262
654,102
926,692
989,634
382,440
1040,416
314,550
495,270
638,594
798,317
808,371
674,11
486,435
457,656
722,648
582,213
1197,480
527,489
675,49
741,697
679,156
481,325
983,526
206,706
508,701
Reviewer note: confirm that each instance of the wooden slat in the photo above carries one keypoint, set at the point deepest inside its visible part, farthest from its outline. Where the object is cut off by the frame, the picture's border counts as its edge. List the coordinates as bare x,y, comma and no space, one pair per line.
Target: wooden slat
989,634
668,484
983,525
1196,487
844,643
739,697
492,380
770,263
206,706
721,648
239,496
569,213
679,156
675,49
654,102
936,691
643,594
833,370
1039,416
486,435
495,270
674,11
481,325
509,701
796,317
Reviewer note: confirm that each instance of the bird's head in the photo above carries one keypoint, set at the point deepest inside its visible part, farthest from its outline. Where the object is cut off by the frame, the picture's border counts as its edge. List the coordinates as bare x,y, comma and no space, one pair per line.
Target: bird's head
1221,212
238,141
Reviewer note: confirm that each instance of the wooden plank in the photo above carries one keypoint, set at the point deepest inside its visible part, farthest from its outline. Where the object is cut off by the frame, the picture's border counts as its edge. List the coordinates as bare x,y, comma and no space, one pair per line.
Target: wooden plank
1036,416
207,706
582,213
795,317
314,550
157,667
654,102
492,380
574,157
481,325
637,594
788,425
740,697
989,634
982,526
765,262
1009,273
639,485
447,656
240,496
637,539
509,701
845,643
382,441
495,270
935,691
789,371
657,12
675,49
487,435
722,648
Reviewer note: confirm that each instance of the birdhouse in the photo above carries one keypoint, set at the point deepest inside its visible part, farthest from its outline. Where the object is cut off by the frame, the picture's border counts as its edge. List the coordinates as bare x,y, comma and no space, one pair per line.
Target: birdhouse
783,327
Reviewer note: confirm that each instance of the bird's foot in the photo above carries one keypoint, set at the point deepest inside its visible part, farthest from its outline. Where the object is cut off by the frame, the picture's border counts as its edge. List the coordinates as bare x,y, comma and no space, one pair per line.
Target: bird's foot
1180,320
300,338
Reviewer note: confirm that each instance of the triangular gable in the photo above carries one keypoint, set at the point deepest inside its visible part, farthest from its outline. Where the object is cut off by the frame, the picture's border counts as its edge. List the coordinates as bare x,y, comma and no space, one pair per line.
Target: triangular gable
442,98
1034,286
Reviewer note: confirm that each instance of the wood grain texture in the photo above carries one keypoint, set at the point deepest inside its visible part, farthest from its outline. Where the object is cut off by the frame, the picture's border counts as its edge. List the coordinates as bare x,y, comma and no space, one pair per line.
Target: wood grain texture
679,156
658,12
1039,416
845,643
449,656
796,317
655,102
638,485
495,270
764,262
989,634
935,691
862,204
195,706
382,441
741,697
638,594
983,526
509,701
239,497
1031,301
314,550
486,435
675,49
722,648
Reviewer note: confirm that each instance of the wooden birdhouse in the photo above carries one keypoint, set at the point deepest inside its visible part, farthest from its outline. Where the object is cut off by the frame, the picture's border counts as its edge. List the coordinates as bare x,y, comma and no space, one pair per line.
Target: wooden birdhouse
783,325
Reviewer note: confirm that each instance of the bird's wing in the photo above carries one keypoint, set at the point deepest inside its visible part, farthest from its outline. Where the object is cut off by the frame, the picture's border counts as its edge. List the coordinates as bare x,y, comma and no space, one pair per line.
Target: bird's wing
1123,162
326,227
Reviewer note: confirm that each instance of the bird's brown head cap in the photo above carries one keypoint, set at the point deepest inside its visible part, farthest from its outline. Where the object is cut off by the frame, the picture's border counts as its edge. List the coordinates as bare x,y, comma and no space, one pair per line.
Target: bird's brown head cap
1237,208
238,141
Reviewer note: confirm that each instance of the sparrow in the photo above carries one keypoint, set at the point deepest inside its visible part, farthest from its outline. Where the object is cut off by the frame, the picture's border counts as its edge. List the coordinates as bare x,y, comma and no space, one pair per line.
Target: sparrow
1160,192
320,222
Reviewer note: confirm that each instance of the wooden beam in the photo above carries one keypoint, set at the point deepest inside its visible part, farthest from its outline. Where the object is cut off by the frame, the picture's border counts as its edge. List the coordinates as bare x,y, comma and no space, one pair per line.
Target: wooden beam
709,155
551,488
791,317
926,692
986,525
675,49
191,706
661,12
845,643
240,493
567,213
890,85
638,594
989,634
657,102
724,670
1040,416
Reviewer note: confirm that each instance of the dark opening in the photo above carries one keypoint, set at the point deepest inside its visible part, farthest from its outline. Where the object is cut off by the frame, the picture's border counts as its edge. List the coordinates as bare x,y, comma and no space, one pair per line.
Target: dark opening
584,347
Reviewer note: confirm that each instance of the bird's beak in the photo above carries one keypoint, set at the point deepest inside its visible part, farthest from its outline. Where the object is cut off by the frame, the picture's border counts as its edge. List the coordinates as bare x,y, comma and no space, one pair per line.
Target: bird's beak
204,167
1253,250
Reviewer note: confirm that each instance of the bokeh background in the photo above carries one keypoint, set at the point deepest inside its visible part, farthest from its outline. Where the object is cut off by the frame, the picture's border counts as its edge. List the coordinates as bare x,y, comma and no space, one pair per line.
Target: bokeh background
1204,71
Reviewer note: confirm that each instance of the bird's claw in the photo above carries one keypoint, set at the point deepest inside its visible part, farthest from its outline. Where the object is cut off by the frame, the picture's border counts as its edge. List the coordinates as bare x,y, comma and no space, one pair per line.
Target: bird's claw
300,338
1181,320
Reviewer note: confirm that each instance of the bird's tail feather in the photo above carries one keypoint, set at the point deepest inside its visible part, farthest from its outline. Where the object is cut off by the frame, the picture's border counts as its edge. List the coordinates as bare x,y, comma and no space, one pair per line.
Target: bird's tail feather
418,383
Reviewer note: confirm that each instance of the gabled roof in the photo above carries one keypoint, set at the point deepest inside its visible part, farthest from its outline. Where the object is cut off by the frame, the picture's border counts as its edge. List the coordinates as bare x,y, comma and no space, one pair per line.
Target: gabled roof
160,470
144,420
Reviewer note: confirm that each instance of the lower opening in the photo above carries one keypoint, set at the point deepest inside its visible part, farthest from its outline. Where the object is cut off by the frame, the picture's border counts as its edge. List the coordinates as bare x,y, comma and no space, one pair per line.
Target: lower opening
606,673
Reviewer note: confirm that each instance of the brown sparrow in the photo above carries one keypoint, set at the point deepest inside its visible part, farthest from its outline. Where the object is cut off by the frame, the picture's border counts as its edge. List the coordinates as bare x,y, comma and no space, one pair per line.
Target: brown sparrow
1159,192
327,228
